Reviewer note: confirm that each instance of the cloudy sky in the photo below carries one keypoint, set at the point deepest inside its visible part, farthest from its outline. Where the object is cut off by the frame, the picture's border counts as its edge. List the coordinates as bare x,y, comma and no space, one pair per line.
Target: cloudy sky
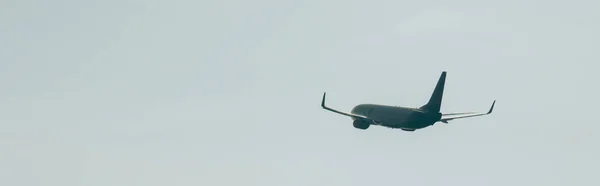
182,92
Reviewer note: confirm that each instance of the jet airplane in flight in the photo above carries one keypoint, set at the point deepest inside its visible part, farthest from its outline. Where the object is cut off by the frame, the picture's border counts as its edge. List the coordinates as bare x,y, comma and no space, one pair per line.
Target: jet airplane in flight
404,118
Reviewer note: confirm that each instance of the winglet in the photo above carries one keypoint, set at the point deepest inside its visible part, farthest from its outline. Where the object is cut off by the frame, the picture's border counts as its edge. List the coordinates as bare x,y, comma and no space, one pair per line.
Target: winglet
492,108
323,101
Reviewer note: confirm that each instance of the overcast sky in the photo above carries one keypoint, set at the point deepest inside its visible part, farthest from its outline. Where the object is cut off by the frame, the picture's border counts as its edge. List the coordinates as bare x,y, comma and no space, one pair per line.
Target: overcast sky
182,92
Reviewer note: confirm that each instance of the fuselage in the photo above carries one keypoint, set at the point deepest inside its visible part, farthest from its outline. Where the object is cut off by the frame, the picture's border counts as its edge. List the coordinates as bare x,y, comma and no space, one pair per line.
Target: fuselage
397,117
408,119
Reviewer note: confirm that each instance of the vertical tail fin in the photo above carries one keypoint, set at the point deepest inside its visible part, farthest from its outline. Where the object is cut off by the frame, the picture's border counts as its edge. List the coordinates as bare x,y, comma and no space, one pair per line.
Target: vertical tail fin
435,102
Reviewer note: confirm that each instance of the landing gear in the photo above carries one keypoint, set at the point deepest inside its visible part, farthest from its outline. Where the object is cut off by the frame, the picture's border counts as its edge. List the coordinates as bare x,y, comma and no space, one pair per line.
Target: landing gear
361,124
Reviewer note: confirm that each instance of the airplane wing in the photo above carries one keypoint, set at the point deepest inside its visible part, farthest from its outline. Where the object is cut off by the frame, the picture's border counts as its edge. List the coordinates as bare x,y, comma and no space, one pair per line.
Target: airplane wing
452,116
354,116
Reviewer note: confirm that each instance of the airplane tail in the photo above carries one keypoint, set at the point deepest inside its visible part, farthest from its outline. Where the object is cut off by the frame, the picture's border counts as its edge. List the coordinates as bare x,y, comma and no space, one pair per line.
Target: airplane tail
435,102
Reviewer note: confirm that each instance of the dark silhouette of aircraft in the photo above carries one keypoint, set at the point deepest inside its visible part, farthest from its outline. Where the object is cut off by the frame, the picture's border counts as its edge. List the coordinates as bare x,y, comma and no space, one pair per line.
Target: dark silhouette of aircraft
407,119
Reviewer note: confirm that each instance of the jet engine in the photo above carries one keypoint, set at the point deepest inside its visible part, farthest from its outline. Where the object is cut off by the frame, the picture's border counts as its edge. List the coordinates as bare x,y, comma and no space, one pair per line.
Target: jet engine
361,124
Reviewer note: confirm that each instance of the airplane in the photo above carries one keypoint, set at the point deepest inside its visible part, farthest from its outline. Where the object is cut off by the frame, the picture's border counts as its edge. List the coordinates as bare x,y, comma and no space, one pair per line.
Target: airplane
404,118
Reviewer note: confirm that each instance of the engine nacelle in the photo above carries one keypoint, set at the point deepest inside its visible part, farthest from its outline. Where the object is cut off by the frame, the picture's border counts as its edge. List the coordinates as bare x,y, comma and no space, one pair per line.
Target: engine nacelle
361,124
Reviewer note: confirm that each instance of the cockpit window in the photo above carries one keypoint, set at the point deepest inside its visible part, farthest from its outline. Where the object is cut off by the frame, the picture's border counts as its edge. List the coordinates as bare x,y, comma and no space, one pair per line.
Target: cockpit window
369,112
